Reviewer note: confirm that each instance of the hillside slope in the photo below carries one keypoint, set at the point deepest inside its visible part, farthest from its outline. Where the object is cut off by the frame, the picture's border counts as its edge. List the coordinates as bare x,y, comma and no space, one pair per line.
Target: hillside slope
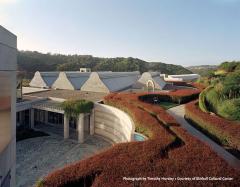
223,93
202,70
29,62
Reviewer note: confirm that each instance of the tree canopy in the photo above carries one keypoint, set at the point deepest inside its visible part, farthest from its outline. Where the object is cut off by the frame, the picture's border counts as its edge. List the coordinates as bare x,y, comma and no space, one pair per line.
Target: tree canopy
29,62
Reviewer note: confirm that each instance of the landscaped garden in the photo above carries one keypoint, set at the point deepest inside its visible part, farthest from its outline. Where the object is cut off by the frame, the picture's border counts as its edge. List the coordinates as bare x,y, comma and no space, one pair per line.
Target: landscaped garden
169,151
166,105
217,113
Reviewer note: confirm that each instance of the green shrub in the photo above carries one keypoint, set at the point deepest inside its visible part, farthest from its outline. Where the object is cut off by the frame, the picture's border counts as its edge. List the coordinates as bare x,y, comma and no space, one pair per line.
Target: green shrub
212,100
230,109
202,99
40,183
220,129
73,108
229,66
231,85
204,81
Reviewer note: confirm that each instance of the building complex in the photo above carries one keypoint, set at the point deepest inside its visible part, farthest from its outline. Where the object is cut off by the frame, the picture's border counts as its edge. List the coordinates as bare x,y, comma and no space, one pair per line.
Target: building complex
40,105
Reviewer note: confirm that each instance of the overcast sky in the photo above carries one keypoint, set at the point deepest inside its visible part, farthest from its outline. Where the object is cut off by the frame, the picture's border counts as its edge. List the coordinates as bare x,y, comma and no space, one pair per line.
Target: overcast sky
185,32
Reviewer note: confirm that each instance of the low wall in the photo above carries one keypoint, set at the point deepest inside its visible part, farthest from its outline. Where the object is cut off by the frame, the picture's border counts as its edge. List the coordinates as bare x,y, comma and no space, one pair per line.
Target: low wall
113,123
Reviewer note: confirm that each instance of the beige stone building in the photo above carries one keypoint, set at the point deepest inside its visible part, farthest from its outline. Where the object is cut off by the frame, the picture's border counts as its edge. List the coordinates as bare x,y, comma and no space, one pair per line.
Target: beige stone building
150,81
8,64
42,108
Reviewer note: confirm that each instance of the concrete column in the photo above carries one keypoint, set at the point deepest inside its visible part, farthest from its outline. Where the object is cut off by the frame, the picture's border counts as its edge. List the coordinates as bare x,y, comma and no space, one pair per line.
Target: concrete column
21,117
80,127
40,116
92,121
32,118
46,117
66,127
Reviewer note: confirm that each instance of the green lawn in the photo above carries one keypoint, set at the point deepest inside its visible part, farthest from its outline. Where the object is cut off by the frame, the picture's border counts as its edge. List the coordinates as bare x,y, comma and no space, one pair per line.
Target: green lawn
167,105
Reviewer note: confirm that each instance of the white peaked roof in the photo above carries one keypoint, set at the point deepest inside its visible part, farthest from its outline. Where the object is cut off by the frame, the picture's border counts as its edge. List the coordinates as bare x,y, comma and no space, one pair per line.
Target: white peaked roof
159,83
71,80
43,79
110,81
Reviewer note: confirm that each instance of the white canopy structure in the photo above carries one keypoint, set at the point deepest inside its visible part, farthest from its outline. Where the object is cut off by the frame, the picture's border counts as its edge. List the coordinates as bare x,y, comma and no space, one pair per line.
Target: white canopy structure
110,81
70,80
182,77
185,77
152,79
43,79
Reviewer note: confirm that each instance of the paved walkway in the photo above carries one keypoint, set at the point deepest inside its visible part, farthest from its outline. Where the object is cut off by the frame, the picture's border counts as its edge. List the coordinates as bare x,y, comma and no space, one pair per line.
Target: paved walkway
58,130
36,157
179,112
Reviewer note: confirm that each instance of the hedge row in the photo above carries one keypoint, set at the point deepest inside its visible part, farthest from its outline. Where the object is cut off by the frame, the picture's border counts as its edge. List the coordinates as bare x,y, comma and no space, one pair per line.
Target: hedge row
176,96
169,152
148,123
227,132
203,99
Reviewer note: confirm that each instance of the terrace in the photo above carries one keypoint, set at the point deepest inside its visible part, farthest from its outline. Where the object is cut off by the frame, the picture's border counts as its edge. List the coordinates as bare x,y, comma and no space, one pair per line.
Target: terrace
36,157
169,151
70,94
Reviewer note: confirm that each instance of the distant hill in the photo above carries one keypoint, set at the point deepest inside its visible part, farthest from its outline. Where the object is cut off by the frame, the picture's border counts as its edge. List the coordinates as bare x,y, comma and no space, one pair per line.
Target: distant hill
202,70
32,61
170,69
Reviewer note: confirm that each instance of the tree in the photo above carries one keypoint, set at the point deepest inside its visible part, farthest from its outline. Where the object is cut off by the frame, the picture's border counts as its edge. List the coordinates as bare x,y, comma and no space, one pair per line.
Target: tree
231,85
30,62
229,66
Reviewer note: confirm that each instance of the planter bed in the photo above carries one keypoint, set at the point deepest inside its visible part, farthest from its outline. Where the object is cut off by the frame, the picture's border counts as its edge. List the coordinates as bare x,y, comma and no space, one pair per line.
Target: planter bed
222,131
169,152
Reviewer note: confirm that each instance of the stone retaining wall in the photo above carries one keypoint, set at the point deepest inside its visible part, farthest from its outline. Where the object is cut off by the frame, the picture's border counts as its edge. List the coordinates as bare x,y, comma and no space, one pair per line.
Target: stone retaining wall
113,123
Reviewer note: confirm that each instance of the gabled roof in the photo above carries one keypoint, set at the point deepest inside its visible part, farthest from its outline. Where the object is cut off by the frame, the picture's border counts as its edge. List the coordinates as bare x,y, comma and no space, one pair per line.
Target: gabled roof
71,80
110,81
77,78
96,81
43,79
159,83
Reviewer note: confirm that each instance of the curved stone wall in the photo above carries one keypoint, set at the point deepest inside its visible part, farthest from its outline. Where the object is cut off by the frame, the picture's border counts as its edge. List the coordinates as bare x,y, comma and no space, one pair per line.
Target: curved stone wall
113,123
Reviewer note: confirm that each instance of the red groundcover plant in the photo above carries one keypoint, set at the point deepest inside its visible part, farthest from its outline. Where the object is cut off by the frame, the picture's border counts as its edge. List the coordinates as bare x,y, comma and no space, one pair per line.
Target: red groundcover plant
226,131
197,85
169,152
176,96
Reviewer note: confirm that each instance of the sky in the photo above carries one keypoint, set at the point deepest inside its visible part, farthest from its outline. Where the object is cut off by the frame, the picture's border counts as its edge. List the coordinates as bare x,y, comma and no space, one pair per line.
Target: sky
184,32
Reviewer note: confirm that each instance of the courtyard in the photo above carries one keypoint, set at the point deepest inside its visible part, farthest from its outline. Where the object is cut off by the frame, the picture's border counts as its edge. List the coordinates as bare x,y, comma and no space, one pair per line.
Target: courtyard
36,157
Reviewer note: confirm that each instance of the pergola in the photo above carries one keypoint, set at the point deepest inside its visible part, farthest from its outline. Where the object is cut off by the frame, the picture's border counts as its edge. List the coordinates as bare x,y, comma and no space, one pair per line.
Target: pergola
55,106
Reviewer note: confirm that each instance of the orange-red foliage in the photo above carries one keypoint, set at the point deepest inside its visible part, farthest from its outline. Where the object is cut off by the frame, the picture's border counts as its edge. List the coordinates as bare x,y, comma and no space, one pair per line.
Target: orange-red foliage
216,125
169,152
176,96
198,85
180,93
